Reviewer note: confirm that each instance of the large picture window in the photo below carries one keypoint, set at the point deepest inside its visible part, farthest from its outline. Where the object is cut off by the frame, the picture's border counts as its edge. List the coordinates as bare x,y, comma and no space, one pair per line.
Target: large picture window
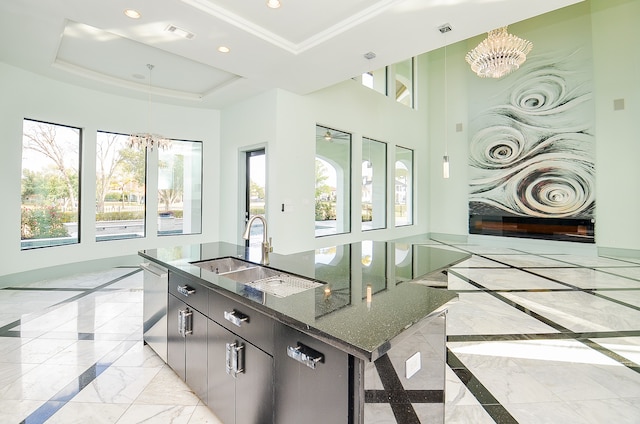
50,185
333,182
404,186
120,188
374,184
180,188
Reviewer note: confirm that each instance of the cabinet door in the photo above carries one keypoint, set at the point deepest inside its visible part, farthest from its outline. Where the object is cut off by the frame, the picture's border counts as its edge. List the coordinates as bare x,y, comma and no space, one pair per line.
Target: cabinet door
245,397
175,340
196,355
254,388
221,386
308,395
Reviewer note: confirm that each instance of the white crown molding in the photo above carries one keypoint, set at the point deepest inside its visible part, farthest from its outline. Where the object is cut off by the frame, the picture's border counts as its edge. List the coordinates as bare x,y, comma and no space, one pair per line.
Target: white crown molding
283,43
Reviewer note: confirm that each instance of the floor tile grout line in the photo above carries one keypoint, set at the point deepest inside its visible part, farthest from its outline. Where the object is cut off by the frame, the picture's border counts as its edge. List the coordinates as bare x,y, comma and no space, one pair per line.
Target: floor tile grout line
629,364
402,411
5,328
546,290
542,255
573,287
489,403
457,338
67,393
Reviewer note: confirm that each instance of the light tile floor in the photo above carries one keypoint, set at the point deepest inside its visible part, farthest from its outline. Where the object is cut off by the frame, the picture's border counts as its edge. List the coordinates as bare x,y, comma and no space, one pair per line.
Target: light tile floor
534,338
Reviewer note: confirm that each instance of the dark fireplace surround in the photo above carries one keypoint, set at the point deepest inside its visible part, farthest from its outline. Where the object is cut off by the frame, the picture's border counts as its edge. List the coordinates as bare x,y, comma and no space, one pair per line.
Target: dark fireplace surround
560,229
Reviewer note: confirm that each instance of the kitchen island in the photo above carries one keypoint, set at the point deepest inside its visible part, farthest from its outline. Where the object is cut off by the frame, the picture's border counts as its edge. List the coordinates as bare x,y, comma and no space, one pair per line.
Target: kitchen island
347,334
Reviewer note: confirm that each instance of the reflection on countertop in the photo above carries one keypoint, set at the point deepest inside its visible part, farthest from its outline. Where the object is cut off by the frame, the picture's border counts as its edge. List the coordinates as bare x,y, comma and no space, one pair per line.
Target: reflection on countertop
371,291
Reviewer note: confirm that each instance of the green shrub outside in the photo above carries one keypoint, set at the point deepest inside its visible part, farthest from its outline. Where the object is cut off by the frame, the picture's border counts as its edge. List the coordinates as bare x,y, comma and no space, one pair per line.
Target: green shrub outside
119,215
42,223
325,211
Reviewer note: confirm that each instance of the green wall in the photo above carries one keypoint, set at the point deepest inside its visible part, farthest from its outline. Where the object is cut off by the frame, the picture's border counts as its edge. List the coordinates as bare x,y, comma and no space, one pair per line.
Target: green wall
614,30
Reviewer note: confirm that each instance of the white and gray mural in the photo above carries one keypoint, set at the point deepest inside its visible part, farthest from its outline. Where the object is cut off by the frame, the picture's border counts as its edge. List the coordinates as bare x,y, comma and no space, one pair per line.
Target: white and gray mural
531,151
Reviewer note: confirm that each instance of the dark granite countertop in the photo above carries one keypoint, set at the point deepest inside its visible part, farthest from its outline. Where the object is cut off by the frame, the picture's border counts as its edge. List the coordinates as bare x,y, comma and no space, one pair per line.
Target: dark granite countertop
373,293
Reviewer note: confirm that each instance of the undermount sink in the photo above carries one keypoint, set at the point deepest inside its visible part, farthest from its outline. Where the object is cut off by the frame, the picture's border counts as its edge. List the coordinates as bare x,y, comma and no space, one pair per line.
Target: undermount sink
265,279
252,274
225,265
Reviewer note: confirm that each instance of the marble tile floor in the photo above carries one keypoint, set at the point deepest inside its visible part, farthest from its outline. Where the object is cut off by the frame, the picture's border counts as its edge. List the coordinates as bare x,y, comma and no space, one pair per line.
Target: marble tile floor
534,338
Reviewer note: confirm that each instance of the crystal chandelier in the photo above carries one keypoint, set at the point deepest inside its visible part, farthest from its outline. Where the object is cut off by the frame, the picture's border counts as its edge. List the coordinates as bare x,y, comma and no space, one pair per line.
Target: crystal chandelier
148,140
499,54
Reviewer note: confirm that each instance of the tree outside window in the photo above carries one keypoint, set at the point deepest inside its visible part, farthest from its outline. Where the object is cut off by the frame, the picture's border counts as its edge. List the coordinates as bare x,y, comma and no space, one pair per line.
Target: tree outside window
50,185
120,188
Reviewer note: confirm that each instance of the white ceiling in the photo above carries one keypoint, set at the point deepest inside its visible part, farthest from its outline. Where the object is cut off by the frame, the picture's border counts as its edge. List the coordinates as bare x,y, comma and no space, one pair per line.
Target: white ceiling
304,46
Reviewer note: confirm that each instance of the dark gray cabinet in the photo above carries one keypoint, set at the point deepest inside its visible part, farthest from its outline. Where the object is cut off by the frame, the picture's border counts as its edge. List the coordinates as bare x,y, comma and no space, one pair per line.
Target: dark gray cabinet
249,368
313,380
240,378
187,333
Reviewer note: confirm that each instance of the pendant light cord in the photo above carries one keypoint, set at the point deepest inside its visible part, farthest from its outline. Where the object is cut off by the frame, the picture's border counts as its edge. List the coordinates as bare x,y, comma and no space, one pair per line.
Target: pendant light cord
150,66
446,112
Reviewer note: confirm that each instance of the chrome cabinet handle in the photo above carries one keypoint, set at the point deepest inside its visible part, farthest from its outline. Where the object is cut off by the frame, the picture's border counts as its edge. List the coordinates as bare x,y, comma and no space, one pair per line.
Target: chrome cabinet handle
305,355
236,318
234,357
185,322
186,290
147,267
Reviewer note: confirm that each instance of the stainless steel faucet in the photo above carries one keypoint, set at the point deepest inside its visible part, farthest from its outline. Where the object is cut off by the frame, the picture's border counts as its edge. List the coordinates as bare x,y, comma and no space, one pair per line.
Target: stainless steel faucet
266,241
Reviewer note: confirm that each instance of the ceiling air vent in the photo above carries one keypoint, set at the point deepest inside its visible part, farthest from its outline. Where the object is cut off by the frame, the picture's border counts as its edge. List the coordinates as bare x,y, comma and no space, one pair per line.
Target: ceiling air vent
180,32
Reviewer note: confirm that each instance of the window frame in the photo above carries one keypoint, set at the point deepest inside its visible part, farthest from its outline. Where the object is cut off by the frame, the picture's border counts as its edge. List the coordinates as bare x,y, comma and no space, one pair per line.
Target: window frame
385,182
40,243
348,184
200,182
409,190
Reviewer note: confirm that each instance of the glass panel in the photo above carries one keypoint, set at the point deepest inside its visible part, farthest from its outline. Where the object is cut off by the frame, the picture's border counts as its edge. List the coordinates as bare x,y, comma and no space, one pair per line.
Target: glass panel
404,186
50,185
180,188
404,82
374,184
120,188
376,80
333,182
256,177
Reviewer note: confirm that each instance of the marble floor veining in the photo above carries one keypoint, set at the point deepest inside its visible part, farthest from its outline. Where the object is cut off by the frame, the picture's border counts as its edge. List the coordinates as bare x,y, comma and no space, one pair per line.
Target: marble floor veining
536,337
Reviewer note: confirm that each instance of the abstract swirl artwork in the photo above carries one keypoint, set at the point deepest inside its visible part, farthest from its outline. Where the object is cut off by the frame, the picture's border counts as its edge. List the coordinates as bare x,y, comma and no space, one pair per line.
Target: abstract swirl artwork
531,152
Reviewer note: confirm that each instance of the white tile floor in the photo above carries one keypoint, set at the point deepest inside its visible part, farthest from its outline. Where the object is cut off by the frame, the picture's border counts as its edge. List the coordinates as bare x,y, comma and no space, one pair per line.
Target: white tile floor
534,338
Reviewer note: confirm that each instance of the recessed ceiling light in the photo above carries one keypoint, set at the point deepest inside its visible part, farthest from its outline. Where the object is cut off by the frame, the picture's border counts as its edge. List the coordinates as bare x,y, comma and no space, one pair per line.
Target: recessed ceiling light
224,49
274,4
180,32
132,13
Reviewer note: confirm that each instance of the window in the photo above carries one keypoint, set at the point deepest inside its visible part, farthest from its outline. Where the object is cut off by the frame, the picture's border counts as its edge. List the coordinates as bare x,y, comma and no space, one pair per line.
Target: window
396,80
404,82
376,80
374,184
120,188
180,188
333,182
255,194
404,186
50,185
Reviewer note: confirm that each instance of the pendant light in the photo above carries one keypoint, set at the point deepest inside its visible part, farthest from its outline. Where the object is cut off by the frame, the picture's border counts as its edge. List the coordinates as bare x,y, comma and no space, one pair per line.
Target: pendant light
445,159
148,140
